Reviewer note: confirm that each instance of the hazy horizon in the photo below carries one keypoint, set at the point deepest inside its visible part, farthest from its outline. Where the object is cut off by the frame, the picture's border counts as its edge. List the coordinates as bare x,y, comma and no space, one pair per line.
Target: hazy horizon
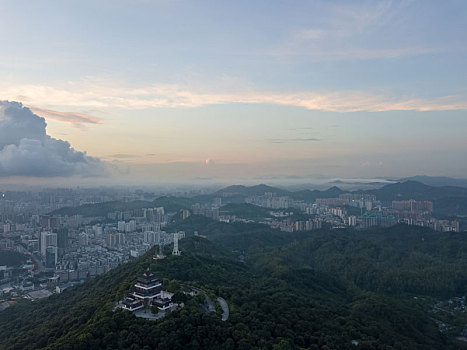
172,91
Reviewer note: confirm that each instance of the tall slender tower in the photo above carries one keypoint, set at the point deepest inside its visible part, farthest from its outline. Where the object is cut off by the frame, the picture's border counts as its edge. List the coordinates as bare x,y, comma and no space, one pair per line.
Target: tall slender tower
176,251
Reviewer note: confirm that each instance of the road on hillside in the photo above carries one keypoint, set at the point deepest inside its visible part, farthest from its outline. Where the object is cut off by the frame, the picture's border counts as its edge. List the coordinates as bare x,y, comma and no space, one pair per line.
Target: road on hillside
225,308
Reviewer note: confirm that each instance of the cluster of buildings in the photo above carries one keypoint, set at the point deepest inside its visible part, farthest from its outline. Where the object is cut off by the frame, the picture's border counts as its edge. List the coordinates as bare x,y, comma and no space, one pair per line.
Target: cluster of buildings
270,200
419,213
331,211
291,225
348,209
67,249
209,210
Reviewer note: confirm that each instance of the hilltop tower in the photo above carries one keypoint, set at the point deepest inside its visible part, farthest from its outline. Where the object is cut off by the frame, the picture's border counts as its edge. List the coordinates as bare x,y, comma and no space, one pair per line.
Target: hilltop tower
175,250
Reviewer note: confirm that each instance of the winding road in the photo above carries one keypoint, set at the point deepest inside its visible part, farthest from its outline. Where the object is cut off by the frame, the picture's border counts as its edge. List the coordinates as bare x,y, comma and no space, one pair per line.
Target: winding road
225,308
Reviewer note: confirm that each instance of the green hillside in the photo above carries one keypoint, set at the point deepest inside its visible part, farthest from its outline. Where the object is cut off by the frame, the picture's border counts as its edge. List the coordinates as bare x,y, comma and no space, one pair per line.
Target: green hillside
170,204
318,290
245,210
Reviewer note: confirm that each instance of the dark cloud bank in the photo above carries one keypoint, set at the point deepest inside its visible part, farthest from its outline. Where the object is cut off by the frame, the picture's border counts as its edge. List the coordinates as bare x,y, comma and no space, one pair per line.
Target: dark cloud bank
27,150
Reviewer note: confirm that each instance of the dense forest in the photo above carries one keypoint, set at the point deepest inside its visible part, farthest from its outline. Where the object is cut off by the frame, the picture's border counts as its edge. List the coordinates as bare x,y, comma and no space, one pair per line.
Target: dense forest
317,290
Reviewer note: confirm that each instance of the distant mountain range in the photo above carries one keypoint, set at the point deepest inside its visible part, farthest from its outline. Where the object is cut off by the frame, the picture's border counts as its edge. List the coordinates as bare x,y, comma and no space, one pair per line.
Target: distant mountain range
238,193
437,180
448,200
417,190
354,184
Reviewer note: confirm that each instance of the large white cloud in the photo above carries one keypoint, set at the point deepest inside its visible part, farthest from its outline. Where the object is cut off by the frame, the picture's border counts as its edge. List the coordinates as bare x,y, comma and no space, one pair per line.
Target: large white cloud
27,150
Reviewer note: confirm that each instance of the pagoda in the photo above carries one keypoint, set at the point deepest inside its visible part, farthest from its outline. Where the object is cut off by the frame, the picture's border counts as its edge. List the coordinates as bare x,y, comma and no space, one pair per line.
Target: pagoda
147,287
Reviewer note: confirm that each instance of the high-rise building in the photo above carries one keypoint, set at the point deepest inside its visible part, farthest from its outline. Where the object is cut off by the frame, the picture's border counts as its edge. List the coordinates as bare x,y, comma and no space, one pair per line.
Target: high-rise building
413,206
48,239
83,239
121,226
377,219
6,228
130,226
98,231
151,237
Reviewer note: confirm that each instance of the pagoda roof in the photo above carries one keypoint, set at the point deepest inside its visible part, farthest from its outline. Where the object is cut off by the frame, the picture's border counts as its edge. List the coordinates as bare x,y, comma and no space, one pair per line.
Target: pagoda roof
161,302
148,277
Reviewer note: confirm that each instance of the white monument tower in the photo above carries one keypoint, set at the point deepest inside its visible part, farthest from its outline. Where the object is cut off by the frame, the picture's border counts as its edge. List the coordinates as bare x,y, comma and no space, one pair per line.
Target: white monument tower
176,251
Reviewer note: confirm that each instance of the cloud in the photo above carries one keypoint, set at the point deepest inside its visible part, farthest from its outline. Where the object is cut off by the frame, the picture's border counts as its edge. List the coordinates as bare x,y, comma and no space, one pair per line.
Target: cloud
97,95
76,119
357,31
308,139
355,53
122,156
27,150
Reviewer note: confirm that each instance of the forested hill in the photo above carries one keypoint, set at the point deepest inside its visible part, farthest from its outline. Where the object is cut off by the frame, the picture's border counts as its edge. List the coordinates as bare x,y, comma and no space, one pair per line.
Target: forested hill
238,193
231,194
437,180
447,200
397,261
101,209
416,190
318,290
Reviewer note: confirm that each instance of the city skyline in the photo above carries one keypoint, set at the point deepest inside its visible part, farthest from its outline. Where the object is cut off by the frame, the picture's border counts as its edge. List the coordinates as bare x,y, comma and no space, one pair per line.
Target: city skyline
172,91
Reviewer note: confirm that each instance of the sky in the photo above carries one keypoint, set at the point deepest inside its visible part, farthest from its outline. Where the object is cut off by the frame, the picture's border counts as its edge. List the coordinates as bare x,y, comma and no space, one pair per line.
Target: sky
143,91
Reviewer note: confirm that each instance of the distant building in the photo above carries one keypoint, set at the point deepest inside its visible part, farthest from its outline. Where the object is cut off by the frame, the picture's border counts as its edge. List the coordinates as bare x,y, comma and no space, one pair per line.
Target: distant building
151,237
130,226
115,239
413,206
83,239
98,231
377,219
185,214
330,201
48,239
351,198
6,228
121,226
